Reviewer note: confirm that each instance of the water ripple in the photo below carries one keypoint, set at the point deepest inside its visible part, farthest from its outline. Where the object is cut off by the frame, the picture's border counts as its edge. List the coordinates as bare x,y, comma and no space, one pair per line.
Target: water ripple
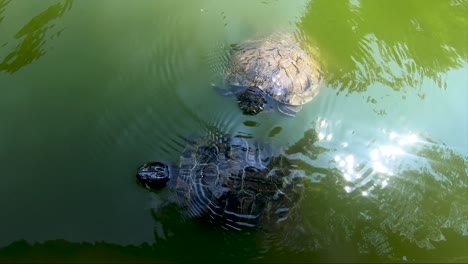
389,64
162,56
217,58
141,107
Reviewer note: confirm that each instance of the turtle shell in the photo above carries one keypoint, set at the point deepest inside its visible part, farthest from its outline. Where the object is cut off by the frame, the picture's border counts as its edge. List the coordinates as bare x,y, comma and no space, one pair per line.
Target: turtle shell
236,182
277,65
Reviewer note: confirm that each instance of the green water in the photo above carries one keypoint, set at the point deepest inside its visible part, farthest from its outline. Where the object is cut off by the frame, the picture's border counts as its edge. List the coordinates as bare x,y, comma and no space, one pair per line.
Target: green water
89,90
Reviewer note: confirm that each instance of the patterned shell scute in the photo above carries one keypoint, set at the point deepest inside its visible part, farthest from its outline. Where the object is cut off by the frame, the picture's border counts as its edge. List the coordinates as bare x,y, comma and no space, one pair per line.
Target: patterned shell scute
278,66
232,180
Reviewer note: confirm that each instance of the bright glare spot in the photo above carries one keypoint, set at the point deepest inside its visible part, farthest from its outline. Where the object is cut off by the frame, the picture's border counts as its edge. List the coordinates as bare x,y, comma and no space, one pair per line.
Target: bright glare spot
391,150
356,3
347,177
321,136
384,183
350,163
341,163
413,138
329,137
374,154
410,139
381,160
377,166
323,123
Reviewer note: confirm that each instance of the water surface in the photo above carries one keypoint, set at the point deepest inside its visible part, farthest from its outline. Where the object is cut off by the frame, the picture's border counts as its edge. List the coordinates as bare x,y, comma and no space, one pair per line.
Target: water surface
91,90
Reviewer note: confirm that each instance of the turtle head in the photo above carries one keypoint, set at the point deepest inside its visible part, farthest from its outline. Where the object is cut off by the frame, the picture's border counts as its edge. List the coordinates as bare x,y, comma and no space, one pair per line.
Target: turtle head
252,100
153,175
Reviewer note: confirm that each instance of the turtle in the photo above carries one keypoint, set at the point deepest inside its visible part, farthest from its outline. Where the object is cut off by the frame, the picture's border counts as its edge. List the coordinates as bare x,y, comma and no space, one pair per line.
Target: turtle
232,181
271,72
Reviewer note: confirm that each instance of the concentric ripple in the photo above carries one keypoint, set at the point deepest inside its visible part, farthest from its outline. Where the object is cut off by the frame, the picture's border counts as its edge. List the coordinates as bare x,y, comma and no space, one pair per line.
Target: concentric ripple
141,107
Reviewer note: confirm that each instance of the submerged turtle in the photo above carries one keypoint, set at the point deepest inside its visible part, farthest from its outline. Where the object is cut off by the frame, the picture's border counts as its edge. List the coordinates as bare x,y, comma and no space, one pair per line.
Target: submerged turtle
232,181
274,71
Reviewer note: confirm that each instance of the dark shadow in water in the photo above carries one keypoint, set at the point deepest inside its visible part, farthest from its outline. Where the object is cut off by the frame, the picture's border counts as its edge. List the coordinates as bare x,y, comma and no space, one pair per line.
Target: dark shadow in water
394,42
61,251
33,36
3,4
275,131
420,216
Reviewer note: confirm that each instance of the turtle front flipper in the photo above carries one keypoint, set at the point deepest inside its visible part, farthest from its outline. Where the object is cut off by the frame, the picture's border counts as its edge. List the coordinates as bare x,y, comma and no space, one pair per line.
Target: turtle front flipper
289,110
